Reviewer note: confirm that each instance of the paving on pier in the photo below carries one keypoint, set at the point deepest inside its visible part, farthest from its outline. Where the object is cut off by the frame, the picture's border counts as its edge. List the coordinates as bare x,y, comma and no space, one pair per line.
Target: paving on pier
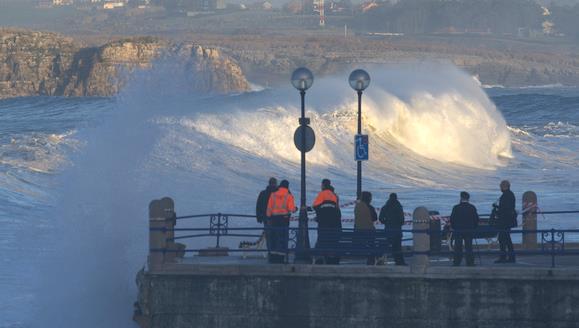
571,261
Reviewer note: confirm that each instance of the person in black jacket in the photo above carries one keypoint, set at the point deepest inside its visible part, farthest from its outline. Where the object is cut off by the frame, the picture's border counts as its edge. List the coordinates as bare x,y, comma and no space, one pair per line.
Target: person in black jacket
263,198
463,221
261,207
507,219
392,216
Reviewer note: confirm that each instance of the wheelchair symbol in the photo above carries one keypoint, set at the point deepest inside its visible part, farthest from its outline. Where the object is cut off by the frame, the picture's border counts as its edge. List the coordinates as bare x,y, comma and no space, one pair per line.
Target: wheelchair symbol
361,147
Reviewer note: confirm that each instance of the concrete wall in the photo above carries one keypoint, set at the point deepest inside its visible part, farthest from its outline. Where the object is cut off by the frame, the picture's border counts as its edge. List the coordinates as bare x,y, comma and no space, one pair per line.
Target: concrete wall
335,297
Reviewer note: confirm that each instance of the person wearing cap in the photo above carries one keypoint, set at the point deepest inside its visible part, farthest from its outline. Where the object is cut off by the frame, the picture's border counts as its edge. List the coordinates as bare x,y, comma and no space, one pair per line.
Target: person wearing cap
463,222
280,206
329,218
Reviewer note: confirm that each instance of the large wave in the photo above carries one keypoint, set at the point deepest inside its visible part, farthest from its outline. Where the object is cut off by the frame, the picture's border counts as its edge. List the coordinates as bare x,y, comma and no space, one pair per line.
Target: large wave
448,120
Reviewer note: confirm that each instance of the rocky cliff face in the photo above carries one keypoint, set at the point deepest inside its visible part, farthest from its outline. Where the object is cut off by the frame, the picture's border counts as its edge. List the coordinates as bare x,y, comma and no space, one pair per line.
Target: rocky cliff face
507,62
38,63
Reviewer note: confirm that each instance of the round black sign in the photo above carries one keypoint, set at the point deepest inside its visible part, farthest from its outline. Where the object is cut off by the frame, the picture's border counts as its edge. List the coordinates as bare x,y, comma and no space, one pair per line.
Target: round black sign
310,138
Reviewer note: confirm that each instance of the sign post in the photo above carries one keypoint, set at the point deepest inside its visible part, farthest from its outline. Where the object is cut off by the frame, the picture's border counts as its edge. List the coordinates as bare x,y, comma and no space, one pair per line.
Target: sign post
359,80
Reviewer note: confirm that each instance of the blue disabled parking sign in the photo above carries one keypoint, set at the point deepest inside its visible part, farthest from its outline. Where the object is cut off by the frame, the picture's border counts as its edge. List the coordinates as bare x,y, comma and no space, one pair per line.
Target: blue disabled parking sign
361,142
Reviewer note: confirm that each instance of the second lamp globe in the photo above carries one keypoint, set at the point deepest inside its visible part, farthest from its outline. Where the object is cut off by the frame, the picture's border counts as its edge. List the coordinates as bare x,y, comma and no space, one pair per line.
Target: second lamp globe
359,80
302,79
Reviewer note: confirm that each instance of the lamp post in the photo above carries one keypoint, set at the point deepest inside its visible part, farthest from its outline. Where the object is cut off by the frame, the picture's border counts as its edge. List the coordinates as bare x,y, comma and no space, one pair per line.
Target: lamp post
304,139
359,81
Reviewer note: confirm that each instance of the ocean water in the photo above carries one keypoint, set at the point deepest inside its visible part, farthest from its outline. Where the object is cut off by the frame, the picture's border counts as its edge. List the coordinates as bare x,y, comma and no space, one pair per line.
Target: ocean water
76,174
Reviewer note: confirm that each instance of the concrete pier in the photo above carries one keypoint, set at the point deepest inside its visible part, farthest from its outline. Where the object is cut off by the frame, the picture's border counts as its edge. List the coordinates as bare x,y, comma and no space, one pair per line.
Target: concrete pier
256,296
232,292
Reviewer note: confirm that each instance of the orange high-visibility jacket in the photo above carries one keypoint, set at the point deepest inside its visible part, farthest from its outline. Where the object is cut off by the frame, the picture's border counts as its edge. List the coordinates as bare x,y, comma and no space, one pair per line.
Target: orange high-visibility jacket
280,202
326,196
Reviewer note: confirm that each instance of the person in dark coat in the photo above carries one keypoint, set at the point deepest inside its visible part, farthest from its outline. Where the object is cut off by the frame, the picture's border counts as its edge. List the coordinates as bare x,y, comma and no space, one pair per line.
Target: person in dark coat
261,204
329,218
392,216
261,207
507,219
463,221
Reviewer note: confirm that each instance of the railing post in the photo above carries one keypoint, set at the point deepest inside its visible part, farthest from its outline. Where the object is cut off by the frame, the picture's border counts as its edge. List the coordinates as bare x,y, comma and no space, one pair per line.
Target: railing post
529,218
160,211
552,248
218,229
421,240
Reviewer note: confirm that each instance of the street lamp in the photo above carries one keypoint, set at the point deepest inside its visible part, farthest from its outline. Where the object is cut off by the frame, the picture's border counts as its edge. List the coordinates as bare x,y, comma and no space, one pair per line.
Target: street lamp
359,81
304,139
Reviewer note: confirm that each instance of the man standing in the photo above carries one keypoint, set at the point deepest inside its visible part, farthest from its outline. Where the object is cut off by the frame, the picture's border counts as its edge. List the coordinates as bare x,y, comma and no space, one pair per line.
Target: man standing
329,217
280,206
463,221
392,216
261,206
262,199
507,219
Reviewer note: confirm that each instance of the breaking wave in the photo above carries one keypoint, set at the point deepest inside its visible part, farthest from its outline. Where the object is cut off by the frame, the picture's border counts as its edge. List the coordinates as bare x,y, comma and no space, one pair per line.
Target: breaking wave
450,121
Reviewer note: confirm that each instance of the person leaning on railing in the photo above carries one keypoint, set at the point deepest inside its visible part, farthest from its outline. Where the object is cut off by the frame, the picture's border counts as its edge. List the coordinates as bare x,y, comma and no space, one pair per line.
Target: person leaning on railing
280,206
364,218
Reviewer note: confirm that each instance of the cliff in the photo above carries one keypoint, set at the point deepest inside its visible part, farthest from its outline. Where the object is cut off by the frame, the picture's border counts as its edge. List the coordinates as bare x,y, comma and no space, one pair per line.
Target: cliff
39,63
511,63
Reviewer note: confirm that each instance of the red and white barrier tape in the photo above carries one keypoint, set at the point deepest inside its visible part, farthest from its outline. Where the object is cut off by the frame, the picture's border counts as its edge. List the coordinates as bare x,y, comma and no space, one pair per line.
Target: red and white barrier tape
442,218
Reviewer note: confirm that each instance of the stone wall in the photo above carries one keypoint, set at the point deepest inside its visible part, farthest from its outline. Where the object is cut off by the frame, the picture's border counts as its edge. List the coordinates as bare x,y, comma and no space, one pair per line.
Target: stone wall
323,296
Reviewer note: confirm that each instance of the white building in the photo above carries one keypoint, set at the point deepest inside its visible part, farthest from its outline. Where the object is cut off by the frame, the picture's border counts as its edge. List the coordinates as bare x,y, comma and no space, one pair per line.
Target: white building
62,2
113,5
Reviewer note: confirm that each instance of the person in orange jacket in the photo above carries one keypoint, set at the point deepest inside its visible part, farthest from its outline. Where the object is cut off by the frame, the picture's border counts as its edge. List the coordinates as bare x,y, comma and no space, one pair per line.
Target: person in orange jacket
329,218
280,206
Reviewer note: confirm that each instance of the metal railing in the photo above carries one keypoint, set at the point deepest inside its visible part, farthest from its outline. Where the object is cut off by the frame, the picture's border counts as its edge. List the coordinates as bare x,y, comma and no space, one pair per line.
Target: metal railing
349,242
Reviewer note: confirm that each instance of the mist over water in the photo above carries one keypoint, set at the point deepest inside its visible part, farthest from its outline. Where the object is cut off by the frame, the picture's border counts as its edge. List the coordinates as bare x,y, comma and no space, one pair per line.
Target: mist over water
80,191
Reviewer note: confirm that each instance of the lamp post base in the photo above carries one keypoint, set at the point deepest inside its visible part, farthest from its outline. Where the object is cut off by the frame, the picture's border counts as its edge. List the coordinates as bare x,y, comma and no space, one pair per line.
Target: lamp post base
303,241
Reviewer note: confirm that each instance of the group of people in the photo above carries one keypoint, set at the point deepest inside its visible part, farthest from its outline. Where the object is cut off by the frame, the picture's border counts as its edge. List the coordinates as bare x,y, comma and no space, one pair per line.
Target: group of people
464,222
276,204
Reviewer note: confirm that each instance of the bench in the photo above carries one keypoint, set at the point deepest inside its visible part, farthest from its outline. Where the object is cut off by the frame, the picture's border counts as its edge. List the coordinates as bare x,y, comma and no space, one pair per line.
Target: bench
350,243
483,231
